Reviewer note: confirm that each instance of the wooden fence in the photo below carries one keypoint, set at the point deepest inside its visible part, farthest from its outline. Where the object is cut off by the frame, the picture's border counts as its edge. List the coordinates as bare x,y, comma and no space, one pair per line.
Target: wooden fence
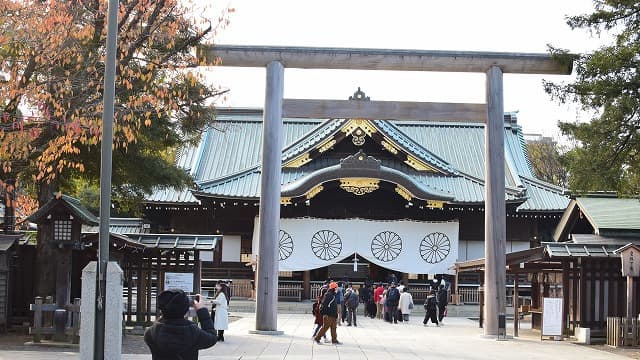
43,320
622,332
469,295
290,291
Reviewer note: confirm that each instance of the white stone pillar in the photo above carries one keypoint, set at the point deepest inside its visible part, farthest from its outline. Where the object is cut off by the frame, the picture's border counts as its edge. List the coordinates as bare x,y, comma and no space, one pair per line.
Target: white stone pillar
495,211
113,311
269,222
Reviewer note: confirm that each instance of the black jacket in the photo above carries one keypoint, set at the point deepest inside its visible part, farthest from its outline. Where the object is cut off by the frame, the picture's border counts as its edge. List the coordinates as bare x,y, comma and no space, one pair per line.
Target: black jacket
180,339
365,295
443,298
329,306
431,304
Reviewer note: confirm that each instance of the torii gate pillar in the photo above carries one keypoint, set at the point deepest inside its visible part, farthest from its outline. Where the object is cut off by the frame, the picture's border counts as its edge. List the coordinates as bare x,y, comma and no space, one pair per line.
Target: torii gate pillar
495,210
269,221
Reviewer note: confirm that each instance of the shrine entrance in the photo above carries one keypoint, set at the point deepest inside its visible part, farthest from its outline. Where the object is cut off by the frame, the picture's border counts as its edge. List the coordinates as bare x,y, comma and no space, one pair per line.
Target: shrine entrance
492,113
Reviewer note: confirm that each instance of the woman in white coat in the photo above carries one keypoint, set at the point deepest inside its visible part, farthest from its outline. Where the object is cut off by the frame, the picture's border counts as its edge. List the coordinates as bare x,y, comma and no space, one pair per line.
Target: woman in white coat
221,319
406,304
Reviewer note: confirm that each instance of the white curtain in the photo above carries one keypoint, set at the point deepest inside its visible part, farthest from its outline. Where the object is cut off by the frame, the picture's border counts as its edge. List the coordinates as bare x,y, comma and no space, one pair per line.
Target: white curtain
403,245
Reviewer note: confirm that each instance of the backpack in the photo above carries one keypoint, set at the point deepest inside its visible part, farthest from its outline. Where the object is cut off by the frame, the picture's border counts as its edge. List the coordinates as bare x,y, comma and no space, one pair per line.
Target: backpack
393,297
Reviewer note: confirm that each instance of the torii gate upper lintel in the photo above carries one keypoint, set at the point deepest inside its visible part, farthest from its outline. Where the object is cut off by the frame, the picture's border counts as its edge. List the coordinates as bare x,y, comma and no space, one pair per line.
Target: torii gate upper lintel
276,58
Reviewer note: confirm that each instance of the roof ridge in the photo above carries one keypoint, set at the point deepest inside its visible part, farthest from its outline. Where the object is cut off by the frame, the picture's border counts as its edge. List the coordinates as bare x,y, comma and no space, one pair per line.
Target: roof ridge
543,183
212,182
445,165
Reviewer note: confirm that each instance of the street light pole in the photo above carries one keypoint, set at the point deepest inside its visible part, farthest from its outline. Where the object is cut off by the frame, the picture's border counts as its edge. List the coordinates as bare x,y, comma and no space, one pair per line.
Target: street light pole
105,177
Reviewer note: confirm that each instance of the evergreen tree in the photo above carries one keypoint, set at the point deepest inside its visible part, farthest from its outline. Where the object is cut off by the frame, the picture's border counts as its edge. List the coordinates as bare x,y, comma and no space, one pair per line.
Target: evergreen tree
607,83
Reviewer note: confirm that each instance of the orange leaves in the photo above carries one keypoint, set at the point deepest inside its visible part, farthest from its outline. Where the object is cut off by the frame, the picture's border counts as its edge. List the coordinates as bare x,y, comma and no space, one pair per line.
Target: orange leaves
64,87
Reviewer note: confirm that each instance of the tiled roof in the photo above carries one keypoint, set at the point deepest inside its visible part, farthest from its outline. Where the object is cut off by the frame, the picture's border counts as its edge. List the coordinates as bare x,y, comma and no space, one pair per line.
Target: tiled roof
611,213
543,196
566,249
226,163
73,206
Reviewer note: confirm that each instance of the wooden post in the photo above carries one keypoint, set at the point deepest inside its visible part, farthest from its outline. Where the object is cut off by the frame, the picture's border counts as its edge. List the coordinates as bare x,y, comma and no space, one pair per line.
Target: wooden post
306,284
516,305
139,293
198,272
481,295
565,297
75,313
63,277
582,293
630,314
37,320
149,288
269,222
495,211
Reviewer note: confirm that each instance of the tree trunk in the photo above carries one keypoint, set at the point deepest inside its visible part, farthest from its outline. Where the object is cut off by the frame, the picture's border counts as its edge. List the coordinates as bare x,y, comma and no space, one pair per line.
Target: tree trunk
45,271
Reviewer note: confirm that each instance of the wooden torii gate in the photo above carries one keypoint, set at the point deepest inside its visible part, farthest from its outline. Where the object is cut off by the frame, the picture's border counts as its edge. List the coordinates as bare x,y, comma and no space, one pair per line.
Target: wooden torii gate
275,59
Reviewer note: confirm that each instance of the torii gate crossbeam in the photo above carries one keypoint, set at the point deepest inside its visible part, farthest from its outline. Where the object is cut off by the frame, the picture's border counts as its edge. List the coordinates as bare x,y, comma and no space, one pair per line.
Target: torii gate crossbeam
275,59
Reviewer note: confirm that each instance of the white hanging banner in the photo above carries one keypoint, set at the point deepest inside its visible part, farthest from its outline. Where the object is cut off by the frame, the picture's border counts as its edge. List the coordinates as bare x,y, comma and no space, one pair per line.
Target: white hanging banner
402,245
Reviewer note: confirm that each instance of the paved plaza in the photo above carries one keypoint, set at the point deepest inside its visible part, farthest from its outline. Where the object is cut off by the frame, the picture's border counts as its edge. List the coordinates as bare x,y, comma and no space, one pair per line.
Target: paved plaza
460,338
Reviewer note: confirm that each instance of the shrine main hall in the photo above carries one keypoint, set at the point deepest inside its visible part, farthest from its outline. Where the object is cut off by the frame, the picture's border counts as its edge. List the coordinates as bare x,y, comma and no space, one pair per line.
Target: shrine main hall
360,199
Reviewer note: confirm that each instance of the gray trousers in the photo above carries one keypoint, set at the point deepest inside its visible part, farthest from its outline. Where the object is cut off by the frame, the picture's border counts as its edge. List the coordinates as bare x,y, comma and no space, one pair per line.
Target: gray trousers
351,316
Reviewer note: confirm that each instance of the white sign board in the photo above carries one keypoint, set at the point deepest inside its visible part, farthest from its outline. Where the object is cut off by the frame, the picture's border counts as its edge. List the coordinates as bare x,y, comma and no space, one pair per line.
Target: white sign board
552,317
183,281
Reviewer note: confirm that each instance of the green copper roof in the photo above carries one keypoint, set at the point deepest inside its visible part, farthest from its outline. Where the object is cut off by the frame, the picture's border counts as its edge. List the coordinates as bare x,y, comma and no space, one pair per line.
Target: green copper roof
226,163
611,214
73,206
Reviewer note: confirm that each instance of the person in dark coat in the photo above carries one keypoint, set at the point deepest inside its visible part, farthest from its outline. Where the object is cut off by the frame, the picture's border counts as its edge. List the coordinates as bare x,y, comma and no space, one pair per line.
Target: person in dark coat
351,302
443,301
393,299
365,297
431,309
329,311
318,317
173,337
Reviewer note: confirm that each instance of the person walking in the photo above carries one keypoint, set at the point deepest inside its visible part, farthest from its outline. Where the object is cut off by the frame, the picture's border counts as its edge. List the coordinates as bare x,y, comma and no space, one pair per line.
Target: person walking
351,302
329,311
393,299
365,296
174,337
377,297
443,301
221,317
339,303
318,317
406,304
431,309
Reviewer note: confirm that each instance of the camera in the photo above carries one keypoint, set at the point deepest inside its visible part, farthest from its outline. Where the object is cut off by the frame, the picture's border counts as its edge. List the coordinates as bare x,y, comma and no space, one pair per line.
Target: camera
193,298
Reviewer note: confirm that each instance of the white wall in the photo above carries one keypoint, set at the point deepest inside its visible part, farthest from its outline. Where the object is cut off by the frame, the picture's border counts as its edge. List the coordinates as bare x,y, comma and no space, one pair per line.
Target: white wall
471,250
231,248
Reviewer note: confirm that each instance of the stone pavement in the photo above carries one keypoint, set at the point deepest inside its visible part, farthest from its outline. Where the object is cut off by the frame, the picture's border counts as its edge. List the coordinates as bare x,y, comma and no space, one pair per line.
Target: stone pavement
373,339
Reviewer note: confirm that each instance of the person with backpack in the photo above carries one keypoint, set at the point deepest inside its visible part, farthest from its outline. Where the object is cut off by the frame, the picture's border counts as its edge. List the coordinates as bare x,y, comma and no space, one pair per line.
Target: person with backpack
393,299
351,302
431,309
443,301
174,337
318,317
329,311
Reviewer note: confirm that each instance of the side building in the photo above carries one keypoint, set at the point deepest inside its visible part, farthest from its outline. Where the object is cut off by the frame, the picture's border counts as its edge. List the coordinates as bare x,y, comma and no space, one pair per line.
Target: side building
361,199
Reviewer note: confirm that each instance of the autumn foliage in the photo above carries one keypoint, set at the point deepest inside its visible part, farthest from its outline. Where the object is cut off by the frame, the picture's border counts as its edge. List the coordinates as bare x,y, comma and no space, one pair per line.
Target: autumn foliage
51,82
